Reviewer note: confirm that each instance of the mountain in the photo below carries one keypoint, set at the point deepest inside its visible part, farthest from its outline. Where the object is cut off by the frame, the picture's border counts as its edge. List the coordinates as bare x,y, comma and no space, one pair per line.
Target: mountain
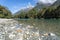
42,10
41,5
5,12
56,3
23,10
38,6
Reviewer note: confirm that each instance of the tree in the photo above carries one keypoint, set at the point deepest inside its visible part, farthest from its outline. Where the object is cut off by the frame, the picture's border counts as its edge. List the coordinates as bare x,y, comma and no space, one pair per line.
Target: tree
4,12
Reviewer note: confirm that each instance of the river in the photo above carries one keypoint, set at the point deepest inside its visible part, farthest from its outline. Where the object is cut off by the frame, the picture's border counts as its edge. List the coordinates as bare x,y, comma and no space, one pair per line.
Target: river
30,29
48,25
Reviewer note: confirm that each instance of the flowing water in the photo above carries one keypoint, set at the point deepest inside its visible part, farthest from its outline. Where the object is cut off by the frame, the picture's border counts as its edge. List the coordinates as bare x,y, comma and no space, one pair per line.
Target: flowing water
30,29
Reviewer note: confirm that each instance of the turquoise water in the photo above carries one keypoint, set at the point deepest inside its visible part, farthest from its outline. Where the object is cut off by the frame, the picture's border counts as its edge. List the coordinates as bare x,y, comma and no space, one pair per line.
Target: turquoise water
43,25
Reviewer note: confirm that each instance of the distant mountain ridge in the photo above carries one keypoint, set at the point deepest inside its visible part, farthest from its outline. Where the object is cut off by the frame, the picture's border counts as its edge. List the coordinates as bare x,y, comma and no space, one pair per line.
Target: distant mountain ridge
39,6
56,3
23,10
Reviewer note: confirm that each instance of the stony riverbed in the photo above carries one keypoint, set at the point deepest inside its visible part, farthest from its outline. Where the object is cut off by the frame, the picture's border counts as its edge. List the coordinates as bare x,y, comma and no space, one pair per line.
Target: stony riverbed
13,30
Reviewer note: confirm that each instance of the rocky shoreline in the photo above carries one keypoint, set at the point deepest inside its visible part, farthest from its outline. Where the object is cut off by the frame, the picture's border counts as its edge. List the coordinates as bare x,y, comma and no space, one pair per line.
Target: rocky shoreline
10,29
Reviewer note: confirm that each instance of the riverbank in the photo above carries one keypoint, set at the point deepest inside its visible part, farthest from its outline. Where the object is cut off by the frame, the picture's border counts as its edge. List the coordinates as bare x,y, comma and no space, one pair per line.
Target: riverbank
11,29
7,20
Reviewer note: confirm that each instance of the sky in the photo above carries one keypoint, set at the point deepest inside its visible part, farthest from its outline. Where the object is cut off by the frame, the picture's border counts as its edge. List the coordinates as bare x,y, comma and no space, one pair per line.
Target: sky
15,5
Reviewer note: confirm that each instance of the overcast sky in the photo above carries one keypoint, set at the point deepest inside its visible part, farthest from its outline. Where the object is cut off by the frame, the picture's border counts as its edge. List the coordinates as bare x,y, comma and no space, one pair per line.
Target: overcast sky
15,5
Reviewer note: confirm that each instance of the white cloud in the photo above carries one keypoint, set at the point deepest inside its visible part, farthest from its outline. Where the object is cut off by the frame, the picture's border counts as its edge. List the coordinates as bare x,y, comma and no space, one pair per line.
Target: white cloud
17,8
29,5
46,1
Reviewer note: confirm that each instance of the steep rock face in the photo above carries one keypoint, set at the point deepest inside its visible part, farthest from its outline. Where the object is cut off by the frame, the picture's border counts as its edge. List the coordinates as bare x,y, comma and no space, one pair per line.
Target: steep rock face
41,5
57,2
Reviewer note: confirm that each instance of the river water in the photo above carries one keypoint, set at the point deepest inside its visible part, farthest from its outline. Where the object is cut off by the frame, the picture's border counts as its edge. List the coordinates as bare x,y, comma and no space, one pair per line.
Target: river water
44,25
30,29
47,25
